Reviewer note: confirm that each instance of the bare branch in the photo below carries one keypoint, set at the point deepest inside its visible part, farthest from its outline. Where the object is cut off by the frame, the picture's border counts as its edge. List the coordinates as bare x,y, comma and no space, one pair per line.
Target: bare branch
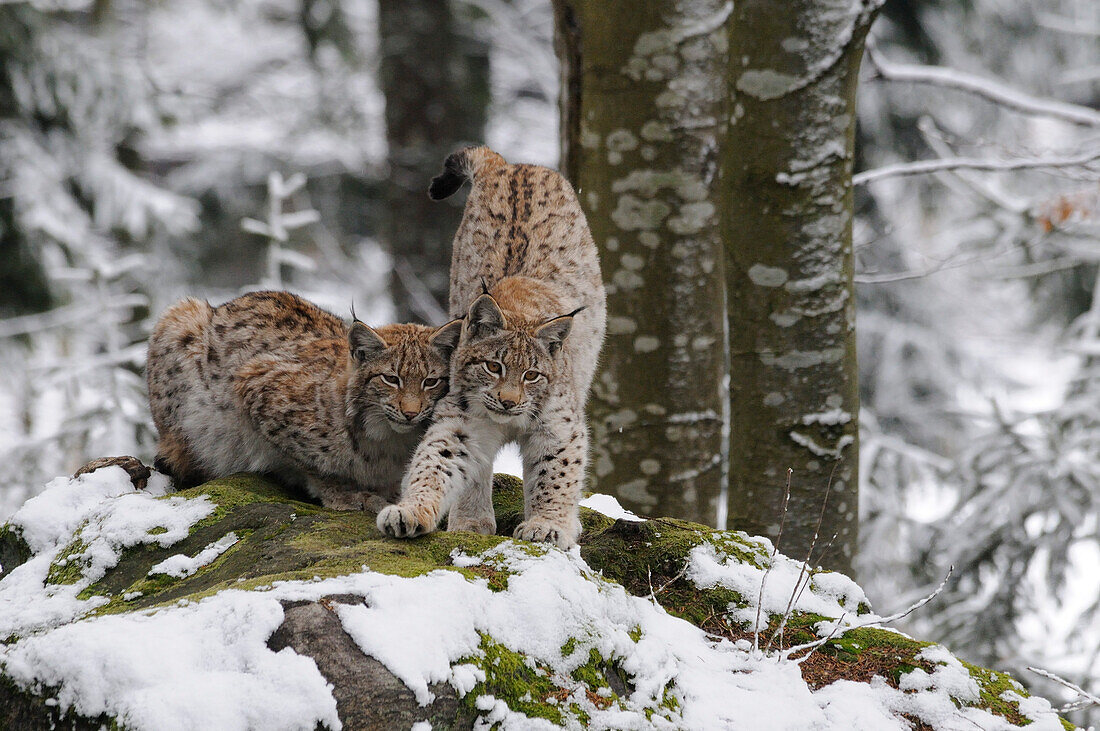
879,620
923,167
775,550
988,89
422,302
1062,24
796,592
1089,698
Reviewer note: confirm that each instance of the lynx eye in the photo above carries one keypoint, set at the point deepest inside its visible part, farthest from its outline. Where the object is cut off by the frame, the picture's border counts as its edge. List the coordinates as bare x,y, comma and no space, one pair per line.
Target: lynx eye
493,367
429,383
391,380
531,376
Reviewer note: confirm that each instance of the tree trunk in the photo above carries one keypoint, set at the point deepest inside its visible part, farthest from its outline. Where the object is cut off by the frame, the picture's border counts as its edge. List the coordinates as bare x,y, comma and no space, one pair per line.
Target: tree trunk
787,179
23,285
436,84
712,148
644,159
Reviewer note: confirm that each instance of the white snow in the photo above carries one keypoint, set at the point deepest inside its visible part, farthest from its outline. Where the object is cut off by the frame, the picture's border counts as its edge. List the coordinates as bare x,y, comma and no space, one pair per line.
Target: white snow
182,565
828,594
609,506
206,664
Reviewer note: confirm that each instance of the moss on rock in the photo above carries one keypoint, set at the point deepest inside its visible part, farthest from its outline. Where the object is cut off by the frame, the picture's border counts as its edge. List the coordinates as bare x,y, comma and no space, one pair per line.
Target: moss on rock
282,537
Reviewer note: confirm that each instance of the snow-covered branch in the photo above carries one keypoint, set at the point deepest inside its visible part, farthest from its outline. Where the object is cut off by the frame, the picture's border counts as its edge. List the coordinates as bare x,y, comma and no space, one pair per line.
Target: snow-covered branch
993,91
923,167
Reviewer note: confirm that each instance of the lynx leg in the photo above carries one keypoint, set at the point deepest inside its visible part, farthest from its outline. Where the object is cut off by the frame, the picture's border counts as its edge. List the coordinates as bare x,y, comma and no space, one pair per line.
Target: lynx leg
447,459
473,509
340,495
175,459
553,474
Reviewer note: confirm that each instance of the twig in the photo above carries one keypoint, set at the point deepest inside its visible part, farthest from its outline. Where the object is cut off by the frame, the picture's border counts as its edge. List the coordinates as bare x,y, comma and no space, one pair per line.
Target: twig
421,300
1091,699
923,167
797,591
880,620
987,89
679,574
775,550
66,315
835,631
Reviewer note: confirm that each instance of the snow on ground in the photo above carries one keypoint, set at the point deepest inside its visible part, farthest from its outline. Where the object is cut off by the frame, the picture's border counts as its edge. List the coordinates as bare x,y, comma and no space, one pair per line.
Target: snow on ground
212,667
182,565
609,506
827,594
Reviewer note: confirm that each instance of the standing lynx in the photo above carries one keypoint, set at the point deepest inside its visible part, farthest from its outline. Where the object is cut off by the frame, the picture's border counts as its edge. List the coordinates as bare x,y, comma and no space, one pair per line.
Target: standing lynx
270,383
525,273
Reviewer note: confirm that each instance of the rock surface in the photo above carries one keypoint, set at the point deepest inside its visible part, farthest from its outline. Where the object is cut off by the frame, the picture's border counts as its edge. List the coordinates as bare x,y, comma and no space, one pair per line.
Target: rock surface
279,541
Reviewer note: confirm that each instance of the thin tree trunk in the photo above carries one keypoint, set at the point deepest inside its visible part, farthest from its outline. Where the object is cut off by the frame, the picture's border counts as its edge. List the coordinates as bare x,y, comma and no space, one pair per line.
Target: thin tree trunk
787,176
436,84
23,285
642,129
712,146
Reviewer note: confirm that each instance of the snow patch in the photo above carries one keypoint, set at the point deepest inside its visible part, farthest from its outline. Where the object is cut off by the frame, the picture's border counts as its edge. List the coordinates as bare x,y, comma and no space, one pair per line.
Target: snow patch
181,565
609,506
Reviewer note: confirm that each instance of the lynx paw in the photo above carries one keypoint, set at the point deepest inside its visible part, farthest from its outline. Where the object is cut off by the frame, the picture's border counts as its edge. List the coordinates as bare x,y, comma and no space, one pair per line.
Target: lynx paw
484,526
541,530
400,521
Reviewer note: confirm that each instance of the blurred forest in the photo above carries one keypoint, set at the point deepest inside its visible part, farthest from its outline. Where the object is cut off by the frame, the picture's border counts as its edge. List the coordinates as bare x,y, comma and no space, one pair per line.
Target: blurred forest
204,147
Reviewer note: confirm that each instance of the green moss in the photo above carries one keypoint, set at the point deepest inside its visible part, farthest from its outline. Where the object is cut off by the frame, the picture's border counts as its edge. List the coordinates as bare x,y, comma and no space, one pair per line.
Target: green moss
281,539
69,566
592,672
284,538
14,551
509,677
991,686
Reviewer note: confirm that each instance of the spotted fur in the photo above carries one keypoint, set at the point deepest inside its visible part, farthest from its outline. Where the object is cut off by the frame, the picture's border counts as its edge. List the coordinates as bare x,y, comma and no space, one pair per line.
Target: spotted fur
526,276
270,383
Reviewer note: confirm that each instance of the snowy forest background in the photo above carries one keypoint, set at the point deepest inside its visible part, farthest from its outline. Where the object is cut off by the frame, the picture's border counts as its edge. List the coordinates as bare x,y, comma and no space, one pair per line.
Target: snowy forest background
205,147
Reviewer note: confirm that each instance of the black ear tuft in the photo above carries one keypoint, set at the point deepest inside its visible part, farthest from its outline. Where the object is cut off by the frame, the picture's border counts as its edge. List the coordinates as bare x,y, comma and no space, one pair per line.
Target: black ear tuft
485,317
552,332
451,179
445,338
364,342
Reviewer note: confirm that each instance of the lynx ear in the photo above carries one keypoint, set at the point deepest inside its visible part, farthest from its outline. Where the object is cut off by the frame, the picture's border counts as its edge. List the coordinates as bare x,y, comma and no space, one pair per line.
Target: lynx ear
553,332
485,317
364,342
445,338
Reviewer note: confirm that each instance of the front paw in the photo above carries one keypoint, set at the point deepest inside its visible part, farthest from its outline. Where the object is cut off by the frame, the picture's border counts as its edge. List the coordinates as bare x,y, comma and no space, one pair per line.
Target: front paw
402,521
541,530
484,526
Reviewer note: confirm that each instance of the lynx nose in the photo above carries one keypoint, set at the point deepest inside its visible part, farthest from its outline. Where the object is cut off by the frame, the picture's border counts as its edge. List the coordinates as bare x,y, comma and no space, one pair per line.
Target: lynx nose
507,403
409,415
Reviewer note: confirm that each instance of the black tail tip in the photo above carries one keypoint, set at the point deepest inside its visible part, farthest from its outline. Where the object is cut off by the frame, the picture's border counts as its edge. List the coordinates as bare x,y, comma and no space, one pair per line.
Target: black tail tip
451,179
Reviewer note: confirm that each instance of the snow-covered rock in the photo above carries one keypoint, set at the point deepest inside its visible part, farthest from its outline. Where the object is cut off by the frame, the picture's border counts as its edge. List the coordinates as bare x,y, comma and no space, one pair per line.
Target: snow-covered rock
234,606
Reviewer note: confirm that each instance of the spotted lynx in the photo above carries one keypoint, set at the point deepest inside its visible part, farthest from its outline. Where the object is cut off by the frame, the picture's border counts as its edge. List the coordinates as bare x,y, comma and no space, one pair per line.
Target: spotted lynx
270,383
525,274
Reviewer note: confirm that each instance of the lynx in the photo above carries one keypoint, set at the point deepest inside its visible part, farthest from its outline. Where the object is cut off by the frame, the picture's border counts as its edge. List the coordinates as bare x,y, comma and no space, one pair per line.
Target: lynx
525,274
270,383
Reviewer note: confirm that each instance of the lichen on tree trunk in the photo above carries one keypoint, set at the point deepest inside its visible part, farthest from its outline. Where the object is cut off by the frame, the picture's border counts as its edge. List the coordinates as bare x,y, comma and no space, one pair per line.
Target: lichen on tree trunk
712,146
642,127
786,174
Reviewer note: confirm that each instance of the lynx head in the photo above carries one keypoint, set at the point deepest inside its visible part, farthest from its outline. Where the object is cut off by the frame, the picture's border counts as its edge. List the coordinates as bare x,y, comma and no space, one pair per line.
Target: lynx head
507,369
399,371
